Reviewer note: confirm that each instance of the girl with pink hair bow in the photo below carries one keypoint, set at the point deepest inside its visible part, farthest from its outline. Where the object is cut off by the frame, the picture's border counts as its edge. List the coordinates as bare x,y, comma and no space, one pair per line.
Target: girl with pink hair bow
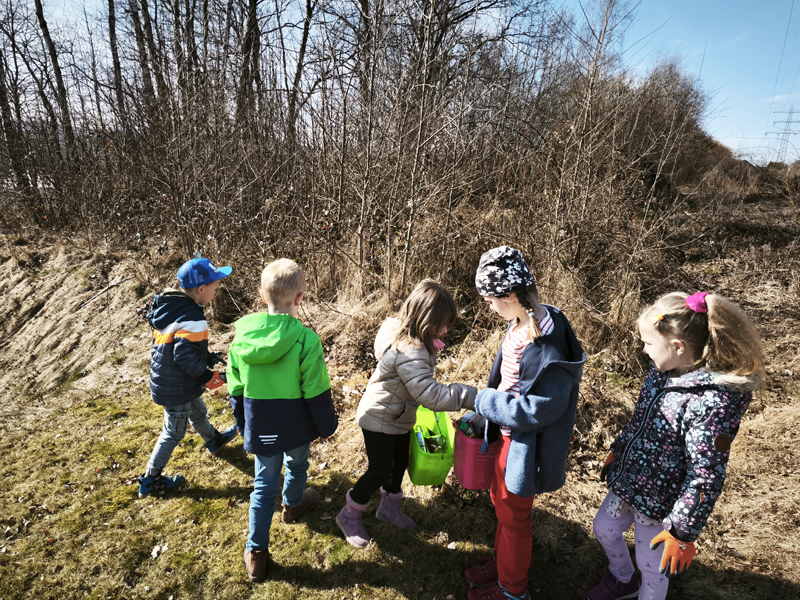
666,469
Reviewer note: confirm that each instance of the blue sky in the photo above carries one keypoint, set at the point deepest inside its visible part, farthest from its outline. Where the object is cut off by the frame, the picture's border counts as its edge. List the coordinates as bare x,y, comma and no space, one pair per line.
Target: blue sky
735,47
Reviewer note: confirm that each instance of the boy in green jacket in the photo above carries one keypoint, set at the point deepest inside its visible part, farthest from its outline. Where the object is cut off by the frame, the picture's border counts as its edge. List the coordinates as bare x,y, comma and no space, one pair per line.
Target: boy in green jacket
281,399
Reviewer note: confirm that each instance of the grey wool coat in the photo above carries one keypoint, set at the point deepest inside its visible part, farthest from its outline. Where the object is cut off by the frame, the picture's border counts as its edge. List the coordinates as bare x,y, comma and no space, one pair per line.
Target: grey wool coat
403,380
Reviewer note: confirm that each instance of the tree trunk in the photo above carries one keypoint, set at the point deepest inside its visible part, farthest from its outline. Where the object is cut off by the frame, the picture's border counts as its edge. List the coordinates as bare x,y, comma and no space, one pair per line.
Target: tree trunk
147,81
117,68
244,102
155,57
10,130
63,104
298,74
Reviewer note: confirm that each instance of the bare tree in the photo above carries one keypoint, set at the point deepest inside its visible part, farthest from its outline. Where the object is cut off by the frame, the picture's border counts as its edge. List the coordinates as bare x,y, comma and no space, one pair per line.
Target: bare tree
61,95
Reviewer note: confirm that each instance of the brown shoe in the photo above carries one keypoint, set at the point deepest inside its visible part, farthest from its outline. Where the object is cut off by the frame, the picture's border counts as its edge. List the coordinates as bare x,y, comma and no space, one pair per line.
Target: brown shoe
257,564
289,514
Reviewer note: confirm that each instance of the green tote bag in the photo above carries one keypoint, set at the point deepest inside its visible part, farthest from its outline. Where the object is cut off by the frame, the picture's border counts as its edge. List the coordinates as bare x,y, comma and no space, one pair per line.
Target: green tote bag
432,448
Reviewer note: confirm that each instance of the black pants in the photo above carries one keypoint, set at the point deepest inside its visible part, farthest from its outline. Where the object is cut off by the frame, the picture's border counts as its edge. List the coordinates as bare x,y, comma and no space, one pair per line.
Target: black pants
388,460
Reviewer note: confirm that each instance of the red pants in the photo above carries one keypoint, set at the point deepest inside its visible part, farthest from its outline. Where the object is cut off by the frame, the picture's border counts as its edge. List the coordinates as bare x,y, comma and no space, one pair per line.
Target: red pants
514,539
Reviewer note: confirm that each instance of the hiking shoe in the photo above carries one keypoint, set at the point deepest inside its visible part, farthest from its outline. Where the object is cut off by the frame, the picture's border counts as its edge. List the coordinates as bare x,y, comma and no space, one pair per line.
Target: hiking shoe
257,564
157,484
220,439
496,592
291,513
483,574
611,588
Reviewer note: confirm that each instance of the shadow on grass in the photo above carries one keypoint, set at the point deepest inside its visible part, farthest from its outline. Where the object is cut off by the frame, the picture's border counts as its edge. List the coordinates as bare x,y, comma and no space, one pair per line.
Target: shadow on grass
418,564
236,457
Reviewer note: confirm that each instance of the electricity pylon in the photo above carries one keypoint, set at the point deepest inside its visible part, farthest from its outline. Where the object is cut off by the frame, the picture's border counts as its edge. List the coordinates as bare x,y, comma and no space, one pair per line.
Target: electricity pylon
787,131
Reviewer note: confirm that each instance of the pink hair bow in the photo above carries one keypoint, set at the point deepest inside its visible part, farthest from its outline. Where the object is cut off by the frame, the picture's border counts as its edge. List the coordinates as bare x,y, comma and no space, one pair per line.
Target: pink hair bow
697,302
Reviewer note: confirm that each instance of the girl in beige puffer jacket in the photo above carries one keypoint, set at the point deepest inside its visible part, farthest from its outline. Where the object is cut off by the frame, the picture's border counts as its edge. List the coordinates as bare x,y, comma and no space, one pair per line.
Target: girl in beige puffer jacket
406,348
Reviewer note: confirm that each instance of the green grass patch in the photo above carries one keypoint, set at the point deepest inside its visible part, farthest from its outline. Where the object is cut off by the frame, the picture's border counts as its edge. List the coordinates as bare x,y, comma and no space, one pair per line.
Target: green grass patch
208,510
75,527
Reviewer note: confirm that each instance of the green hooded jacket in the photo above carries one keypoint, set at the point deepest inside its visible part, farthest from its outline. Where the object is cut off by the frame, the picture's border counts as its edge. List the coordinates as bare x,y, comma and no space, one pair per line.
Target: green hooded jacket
279,384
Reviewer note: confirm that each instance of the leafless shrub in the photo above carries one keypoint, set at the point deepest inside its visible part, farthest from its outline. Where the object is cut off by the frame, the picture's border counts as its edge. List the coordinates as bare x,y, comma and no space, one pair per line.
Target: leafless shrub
376,143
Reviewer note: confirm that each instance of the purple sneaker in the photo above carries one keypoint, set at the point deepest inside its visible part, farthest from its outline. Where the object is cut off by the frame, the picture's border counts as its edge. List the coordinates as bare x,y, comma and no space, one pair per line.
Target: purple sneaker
611,588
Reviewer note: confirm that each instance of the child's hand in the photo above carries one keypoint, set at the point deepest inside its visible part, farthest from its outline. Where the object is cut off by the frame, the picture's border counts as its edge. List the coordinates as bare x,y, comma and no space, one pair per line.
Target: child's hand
677,555
215,358
606,466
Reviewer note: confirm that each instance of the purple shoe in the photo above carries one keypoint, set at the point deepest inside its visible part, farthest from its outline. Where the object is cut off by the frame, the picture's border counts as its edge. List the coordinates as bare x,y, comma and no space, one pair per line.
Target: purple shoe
611,588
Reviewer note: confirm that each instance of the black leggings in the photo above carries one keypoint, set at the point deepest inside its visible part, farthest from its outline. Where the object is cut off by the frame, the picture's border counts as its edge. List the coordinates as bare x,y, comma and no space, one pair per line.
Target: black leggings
388,460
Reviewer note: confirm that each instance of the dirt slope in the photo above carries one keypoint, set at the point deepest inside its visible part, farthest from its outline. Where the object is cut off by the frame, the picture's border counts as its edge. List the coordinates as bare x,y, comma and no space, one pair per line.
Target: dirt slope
66,316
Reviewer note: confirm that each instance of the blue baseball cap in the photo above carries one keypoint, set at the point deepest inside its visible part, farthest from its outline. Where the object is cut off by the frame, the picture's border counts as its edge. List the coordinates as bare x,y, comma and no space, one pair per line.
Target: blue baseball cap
200,271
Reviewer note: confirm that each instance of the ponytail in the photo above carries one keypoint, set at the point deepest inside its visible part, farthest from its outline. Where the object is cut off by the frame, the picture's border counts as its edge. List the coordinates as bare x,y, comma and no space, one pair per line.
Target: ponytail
529,299
734,344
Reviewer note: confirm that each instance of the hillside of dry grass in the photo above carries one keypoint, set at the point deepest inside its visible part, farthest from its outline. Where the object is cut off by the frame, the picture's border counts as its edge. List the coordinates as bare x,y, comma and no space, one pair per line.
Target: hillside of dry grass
78,427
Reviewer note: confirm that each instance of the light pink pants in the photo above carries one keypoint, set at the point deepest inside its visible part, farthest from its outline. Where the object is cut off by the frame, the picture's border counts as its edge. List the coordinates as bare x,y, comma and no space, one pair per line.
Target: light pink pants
608,532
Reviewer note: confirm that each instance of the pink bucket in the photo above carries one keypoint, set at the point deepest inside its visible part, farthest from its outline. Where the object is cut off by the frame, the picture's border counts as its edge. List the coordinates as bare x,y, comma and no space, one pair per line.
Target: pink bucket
474,470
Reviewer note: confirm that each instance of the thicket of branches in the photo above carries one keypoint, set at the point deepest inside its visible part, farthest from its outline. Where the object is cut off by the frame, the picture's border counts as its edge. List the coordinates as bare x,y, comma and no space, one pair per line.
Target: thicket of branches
375,142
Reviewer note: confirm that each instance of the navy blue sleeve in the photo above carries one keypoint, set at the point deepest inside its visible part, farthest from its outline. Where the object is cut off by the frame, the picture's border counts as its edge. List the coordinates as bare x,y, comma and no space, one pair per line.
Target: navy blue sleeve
190,357
322,413
237,404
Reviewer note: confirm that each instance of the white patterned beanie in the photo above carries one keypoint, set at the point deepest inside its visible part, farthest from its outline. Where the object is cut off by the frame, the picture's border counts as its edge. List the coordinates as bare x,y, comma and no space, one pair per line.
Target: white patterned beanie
501,271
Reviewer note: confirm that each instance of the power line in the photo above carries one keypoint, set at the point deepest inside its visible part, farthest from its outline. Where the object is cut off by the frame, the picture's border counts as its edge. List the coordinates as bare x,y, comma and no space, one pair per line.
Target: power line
780,62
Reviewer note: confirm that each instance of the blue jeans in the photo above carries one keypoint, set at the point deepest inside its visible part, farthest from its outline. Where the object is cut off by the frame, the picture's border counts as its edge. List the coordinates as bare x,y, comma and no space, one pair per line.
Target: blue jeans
267,485
174,430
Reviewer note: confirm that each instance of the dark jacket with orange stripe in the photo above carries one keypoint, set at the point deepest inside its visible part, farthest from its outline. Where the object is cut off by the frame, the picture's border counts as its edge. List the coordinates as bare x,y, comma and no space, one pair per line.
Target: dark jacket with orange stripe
178,362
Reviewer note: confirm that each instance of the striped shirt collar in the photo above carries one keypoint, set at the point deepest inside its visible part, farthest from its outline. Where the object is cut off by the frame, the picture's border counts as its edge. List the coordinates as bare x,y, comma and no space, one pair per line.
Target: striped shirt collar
546,324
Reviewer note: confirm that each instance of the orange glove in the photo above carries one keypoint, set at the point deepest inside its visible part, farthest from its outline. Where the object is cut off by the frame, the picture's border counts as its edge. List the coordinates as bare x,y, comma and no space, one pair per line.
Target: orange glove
677,555
215,381
606,466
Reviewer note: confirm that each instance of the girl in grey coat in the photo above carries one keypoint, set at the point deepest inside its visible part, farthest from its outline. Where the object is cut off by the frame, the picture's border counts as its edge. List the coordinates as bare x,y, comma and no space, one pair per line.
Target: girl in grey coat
403,380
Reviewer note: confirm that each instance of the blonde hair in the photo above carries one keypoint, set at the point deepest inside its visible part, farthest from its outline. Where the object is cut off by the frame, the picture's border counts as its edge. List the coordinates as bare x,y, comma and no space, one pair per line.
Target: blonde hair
724,340
425,313
281,282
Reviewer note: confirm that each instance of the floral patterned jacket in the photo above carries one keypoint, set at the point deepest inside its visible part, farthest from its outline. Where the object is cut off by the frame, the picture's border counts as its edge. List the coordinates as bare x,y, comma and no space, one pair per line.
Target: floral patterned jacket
670,460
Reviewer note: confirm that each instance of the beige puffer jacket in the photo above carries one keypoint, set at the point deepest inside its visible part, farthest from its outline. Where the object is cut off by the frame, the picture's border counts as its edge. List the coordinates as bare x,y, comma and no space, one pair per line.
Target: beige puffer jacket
401,382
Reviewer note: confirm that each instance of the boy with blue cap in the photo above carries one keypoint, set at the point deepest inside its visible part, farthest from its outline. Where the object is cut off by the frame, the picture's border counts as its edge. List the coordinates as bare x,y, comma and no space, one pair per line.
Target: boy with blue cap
181,368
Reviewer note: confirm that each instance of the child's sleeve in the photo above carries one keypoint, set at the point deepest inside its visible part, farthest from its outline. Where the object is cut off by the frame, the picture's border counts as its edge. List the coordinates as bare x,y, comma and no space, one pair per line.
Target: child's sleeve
530,412
236,389
713,424
316,387
417,375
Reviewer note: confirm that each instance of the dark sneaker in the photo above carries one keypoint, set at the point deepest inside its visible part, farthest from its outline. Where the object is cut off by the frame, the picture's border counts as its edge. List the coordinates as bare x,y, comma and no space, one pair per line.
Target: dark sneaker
289,514
220,439
483,574
257,564
496,592
611,588
157,484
